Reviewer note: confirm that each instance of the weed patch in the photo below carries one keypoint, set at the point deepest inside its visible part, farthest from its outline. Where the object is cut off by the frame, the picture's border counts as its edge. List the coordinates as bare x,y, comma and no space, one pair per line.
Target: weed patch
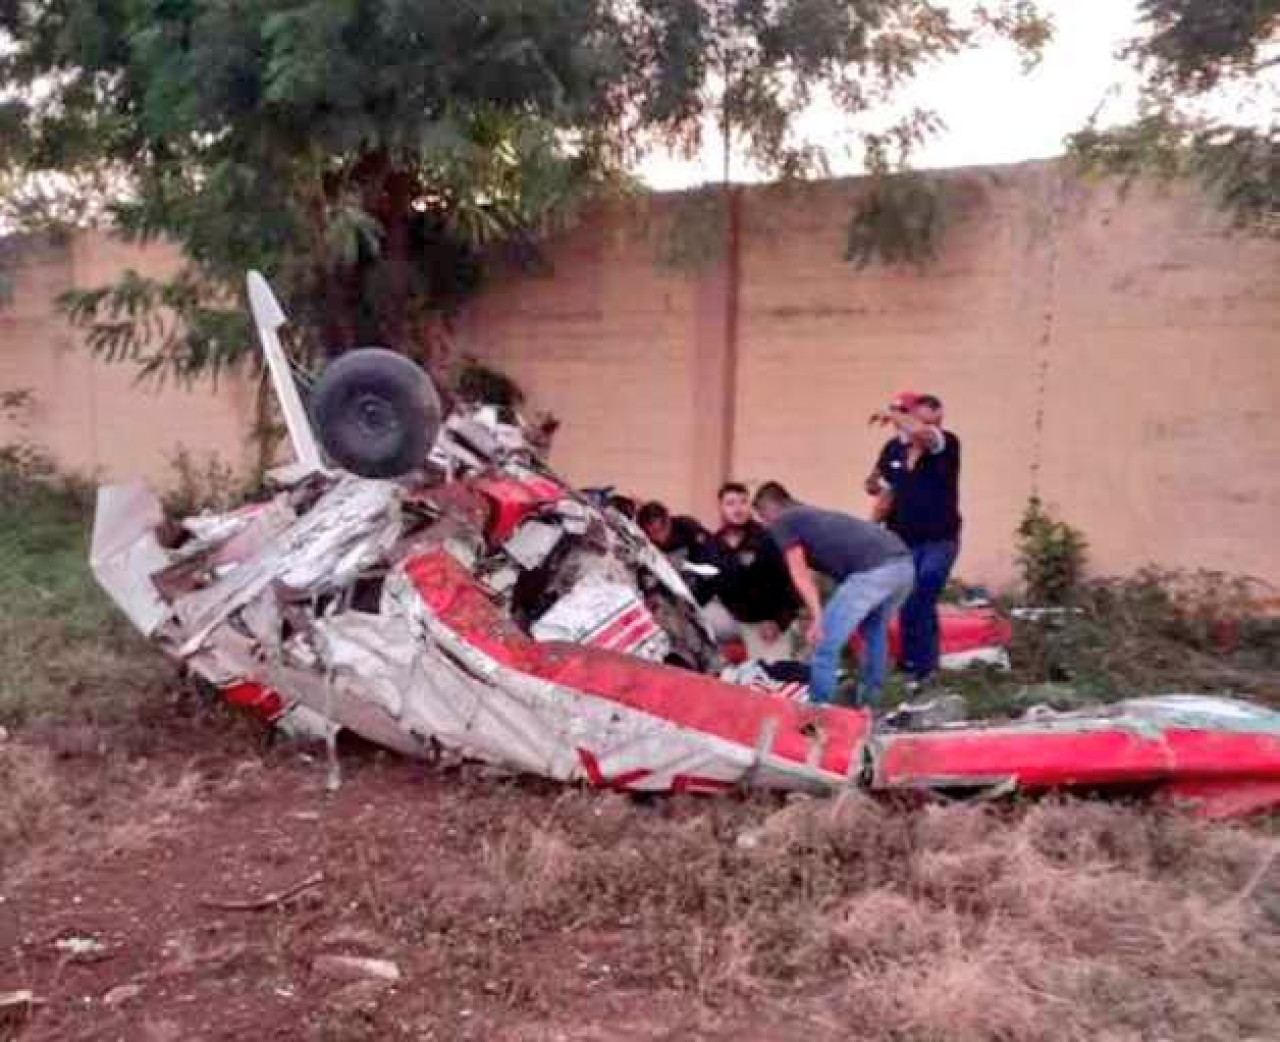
66,653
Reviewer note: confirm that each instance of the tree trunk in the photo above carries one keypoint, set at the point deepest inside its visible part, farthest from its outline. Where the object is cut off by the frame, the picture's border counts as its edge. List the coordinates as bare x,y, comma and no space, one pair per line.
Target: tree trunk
397,197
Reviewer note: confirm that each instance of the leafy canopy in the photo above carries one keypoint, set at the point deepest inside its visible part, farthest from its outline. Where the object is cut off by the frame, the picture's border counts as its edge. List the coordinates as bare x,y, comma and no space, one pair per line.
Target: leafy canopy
1200,58
370,155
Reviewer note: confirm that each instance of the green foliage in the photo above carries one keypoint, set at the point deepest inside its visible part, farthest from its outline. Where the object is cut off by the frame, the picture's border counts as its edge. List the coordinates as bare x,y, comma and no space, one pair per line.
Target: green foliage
1156,631
1051,557
364,154
370,155
694,232
65,650
1194,45
898,220
175,328
1191,52
203,483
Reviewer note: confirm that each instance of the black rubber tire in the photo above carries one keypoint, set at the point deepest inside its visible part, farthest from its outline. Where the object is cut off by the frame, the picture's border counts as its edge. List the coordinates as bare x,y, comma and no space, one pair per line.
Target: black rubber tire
376,413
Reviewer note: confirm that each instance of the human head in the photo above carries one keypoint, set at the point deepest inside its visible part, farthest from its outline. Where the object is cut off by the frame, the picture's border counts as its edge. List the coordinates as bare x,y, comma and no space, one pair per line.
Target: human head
624,505
928,409
735,504
771,500
655,521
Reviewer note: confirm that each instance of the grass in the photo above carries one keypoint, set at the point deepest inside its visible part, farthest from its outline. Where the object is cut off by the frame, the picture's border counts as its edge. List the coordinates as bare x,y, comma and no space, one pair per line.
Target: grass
66,652
1058,921
1054,922
1152,632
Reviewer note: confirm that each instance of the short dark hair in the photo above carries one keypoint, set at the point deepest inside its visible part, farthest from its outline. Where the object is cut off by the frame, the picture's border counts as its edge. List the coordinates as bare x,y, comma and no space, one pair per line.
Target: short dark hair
773,492
930,401
731,486
624,505
651,512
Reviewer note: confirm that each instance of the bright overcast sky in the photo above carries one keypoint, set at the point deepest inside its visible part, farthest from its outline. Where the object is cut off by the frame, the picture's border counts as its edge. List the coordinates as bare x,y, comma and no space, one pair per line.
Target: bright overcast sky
994,113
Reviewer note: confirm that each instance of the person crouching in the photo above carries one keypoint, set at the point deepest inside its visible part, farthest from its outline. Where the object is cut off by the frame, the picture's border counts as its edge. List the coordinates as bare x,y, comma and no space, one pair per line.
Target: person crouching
873,572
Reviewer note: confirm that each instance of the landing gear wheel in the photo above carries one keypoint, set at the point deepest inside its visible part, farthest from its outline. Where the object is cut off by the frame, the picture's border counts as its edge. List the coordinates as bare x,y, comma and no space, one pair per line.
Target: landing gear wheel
376,413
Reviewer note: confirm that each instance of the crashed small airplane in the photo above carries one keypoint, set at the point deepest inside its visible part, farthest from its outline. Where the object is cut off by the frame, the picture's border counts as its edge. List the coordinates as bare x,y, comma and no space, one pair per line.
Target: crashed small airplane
428,583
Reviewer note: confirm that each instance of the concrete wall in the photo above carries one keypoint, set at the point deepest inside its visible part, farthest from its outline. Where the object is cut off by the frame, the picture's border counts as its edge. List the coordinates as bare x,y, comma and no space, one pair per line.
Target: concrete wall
93,416
1122,357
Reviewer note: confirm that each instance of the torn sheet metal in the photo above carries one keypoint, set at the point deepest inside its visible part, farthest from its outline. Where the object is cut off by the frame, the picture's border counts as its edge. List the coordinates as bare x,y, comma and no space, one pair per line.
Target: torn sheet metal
533,542
268,316
343,608
125,552
605,614
1187,740
483,606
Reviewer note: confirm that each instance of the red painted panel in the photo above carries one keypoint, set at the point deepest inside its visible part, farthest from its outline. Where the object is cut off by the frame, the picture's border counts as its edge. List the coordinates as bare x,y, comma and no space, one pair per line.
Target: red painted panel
960,629
1035,760
1057,758
689,700
513,501
262,702
1224,753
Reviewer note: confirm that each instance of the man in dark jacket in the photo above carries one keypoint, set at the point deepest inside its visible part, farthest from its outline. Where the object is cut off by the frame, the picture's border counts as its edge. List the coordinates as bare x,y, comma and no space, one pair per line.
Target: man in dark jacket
754,598
917,485
682,539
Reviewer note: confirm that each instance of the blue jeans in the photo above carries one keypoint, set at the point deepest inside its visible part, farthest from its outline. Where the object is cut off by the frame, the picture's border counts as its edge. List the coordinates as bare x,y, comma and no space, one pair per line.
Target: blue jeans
867,600
920,631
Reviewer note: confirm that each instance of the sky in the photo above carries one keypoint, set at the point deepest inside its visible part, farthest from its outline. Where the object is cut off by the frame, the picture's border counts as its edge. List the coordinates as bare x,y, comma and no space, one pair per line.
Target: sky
993,111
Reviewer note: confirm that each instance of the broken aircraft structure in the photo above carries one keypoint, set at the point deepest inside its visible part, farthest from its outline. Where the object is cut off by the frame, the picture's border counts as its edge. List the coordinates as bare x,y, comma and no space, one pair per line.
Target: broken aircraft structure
428,583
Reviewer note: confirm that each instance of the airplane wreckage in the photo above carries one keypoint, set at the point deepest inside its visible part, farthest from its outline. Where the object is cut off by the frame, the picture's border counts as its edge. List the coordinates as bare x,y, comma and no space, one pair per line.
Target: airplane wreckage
426,582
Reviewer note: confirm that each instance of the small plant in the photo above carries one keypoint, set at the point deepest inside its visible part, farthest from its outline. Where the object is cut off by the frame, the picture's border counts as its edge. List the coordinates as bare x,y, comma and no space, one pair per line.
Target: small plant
693,235
1051,556
899,220
210,484
27,471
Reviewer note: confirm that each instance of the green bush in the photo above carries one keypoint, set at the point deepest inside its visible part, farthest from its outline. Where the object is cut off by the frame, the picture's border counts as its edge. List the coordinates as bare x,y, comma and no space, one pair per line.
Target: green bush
1051,556
66,652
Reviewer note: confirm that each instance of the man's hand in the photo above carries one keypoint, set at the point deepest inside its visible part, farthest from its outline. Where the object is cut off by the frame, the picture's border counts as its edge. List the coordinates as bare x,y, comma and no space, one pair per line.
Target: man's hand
769,631
814,632
874,484
806,587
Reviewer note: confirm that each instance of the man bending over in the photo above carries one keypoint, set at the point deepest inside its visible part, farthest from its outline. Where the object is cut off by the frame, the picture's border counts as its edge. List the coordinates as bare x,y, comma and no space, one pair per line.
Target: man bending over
873,573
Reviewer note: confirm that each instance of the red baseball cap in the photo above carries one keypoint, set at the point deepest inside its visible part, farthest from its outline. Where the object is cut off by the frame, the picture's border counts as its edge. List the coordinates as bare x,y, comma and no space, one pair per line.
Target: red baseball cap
904,400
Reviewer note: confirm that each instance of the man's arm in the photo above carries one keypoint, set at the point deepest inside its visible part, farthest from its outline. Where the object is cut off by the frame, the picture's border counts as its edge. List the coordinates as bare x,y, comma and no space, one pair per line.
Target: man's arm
882,507
925,435
807,587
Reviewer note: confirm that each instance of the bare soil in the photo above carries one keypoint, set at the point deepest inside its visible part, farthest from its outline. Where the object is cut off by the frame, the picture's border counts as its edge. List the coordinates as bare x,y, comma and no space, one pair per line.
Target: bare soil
515,910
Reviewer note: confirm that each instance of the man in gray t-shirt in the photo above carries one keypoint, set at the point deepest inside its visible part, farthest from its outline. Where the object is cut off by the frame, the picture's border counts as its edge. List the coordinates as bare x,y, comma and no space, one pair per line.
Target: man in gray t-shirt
873,573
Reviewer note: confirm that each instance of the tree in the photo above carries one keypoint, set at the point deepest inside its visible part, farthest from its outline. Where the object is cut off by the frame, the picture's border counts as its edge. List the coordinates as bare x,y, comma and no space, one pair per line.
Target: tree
370,155
361,151
745,70
1195,56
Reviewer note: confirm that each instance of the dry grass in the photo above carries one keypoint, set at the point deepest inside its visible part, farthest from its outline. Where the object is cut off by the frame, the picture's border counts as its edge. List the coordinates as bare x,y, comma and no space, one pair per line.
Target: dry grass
844,918
32,796
1059,922
66,653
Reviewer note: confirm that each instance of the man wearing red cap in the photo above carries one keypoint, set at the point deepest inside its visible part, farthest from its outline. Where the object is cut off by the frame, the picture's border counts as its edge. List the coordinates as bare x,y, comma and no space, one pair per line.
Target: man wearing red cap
917,485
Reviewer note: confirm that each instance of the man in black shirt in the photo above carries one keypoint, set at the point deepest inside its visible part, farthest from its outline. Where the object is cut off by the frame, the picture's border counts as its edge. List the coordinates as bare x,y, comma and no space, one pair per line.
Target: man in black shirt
682,539
754,598
917,485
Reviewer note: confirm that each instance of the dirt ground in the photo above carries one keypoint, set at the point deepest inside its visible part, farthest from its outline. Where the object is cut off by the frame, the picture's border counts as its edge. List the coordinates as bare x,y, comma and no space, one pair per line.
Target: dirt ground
518,911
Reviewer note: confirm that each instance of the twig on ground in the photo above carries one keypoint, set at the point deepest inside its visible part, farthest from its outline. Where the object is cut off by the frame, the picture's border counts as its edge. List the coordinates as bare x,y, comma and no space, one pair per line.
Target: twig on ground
1236,900
267,900
1260,873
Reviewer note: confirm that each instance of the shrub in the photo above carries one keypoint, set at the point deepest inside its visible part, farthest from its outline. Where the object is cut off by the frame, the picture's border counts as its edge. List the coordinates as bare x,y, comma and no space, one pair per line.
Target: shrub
1051,556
